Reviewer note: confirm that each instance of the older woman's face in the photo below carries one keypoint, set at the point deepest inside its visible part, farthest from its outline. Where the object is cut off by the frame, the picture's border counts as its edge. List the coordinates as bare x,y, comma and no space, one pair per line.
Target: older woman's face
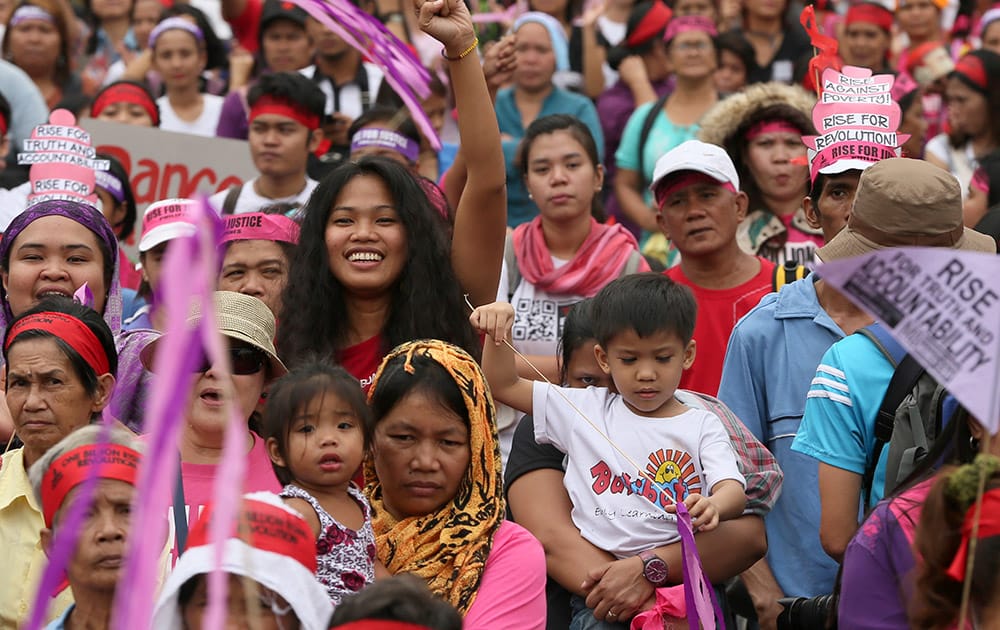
212,394
35,46
421,451
536,59
255,609
771,158
100,550
692,55
46,398
53,255
258,268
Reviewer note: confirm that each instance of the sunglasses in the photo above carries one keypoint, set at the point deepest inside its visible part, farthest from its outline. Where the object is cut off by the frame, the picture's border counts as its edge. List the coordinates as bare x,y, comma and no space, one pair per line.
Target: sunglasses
242,359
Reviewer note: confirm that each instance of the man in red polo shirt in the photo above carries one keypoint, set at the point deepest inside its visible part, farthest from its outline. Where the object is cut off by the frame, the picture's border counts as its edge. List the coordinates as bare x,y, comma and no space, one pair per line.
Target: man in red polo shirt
699,206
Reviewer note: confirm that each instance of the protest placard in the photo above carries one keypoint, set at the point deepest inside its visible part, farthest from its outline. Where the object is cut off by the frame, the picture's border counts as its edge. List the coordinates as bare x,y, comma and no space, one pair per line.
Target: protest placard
943,306
167,165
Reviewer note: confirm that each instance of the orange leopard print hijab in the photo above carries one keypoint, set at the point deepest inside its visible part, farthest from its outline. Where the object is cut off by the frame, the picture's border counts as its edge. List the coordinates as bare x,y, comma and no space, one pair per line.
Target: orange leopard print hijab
447,548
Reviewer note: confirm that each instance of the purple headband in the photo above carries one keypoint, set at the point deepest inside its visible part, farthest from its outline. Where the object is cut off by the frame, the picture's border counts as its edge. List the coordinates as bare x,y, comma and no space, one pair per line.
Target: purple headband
687,23
27,12
254,226
90,218
386,139
110,183
175,23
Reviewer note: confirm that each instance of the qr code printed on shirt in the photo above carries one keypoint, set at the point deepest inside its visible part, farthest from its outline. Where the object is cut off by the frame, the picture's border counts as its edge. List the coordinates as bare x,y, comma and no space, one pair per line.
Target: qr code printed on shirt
534,320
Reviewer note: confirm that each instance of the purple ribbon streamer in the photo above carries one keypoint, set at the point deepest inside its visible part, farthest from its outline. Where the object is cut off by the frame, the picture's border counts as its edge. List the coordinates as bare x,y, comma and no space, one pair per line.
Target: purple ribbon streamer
698,592
189,274
402,69
66,536
84,296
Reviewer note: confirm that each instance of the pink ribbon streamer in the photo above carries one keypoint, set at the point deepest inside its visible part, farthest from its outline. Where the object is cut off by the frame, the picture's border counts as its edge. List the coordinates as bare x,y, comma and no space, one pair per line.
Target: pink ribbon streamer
188,277
372,39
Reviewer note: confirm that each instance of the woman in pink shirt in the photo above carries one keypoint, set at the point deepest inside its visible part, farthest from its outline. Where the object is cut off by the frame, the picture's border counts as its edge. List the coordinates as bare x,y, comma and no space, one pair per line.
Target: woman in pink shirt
436,491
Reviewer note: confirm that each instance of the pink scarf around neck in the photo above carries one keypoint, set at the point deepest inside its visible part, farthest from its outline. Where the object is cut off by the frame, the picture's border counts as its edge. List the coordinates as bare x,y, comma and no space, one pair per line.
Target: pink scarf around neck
600,259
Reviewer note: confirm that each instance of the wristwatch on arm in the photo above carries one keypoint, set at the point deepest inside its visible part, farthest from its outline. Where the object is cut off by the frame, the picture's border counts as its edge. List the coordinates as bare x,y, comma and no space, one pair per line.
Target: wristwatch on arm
653,568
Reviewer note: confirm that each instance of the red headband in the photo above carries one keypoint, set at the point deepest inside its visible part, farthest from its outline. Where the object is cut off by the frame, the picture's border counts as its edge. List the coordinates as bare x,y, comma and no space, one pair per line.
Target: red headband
252,226
265,527
72,468
286,108
971,68
126,93
684,180
772,126
989,525
3,125
870,14
71,330
651,25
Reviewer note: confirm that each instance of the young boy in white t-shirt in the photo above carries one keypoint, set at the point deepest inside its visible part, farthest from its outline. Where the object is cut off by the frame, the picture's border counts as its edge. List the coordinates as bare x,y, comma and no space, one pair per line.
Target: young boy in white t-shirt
644,325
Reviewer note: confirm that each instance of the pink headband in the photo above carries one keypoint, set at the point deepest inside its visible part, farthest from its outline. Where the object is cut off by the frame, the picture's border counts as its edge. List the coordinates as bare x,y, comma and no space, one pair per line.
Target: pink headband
772,126
254,226
687,23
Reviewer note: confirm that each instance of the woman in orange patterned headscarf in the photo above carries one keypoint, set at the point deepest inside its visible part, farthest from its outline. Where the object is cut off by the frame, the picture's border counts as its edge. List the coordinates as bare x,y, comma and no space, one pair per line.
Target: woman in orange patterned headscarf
435,483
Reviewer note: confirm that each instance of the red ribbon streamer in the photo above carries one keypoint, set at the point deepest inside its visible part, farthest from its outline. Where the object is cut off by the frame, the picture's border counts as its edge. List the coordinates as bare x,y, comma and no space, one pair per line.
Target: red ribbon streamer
826,47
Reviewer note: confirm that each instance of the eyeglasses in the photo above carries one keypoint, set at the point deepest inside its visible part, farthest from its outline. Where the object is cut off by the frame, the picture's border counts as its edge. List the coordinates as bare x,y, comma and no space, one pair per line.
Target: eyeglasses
242,359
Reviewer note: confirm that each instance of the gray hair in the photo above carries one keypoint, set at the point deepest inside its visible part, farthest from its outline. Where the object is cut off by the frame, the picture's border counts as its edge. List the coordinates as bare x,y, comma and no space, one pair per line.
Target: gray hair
83,436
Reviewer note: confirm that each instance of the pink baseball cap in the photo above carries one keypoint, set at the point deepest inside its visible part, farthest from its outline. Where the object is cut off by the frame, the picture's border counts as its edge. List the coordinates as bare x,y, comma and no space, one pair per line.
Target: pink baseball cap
166,220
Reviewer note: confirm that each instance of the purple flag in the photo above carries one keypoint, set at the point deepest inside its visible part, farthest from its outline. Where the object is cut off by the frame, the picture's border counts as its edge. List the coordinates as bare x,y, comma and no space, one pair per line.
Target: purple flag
943,306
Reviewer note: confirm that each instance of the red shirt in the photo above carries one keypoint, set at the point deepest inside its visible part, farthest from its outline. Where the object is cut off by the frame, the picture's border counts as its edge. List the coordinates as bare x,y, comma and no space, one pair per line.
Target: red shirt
362,360
718,312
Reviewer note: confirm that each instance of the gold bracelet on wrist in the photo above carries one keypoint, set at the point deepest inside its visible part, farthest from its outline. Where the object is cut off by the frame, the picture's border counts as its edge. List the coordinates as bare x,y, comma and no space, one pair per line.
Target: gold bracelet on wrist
462,55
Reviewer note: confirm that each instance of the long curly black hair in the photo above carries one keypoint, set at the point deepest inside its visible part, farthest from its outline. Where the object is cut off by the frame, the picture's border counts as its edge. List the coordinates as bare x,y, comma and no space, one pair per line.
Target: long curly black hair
427,300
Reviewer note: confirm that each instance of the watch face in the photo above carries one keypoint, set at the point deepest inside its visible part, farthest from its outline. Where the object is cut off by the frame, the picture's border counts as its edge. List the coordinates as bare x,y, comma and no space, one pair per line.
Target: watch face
655,571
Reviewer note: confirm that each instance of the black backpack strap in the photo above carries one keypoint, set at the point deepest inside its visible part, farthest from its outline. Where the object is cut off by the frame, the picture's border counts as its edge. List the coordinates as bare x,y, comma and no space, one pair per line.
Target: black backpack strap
904,379
513,272
647,126
232,196
180,514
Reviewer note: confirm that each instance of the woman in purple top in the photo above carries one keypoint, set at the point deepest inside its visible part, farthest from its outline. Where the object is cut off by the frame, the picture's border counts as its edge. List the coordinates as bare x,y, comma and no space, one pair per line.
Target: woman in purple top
643,77
879,565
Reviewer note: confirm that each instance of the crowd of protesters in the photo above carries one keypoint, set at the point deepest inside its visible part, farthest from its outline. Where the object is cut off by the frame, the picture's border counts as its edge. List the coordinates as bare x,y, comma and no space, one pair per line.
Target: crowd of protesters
449,333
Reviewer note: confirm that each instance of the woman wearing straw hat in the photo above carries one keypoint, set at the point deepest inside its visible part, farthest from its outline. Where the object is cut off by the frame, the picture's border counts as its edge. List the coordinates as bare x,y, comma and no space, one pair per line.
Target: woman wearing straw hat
248,327
61,362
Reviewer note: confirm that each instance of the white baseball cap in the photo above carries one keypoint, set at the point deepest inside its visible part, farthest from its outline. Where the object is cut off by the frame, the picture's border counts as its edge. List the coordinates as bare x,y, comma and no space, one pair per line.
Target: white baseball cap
166,220
698,156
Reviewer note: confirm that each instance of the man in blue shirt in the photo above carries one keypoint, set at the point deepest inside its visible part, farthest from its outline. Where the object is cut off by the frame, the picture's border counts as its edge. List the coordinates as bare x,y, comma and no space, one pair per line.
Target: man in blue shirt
772,356
899,202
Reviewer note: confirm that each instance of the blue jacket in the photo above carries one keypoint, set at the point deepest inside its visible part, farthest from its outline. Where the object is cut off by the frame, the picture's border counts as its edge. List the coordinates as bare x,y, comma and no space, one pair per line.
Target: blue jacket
770,362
